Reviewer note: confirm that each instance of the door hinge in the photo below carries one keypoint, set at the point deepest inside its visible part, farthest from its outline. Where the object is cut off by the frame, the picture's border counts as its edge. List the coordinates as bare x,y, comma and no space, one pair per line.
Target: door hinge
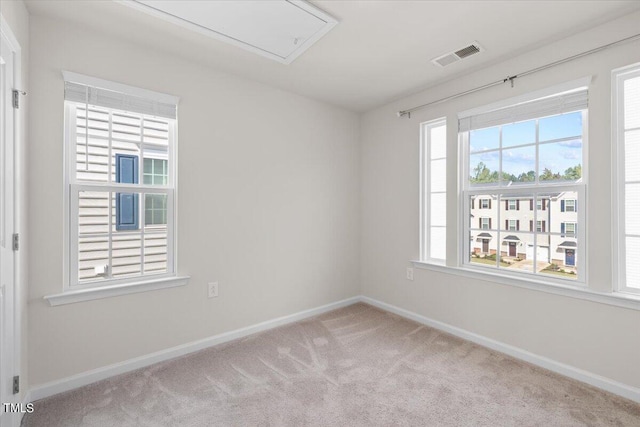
16,241
16,384
16,98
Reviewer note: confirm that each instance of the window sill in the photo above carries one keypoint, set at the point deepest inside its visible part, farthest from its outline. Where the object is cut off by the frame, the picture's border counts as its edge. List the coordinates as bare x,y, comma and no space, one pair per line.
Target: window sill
615,298
73,296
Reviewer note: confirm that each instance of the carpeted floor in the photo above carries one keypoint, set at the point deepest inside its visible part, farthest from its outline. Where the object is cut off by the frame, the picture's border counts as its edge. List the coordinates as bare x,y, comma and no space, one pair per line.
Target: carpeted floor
356,366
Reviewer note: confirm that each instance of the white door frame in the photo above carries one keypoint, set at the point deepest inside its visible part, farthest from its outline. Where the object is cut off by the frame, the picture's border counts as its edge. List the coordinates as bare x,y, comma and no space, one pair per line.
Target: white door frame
11,147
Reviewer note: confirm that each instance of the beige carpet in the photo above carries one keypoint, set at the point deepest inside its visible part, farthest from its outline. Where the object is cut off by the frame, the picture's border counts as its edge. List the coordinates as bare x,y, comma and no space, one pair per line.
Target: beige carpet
356,366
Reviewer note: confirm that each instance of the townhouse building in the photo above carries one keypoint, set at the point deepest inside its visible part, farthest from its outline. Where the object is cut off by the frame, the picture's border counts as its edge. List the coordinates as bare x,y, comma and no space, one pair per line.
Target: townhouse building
519,226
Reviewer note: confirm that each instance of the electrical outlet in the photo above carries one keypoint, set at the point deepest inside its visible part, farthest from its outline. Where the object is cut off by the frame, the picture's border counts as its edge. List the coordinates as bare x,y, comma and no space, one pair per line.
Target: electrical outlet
409,273
213,289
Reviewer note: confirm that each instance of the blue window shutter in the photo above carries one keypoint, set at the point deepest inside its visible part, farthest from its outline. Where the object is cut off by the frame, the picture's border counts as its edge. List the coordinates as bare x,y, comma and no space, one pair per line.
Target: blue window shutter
561,205
562,228
127,204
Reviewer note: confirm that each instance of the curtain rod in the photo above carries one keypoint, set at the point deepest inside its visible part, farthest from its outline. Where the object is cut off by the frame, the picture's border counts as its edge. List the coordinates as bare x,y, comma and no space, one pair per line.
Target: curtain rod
511,79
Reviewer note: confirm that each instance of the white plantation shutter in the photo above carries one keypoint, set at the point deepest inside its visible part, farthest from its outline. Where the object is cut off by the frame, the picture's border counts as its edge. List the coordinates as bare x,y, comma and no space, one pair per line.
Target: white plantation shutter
628,105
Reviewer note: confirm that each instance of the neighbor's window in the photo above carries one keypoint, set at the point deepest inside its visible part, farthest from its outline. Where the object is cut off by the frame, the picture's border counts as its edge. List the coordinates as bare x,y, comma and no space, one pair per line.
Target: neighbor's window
528,159
434,196
120,175
568,206
485,223
626,125
155,173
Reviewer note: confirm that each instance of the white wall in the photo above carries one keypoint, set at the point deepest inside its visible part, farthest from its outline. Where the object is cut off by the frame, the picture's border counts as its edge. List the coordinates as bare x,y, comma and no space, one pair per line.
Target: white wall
599,338
268,205
17,17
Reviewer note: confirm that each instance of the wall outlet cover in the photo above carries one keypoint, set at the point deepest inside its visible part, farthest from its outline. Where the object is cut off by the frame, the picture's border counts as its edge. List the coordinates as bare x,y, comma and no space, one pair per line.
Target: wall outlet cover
213,289
409,273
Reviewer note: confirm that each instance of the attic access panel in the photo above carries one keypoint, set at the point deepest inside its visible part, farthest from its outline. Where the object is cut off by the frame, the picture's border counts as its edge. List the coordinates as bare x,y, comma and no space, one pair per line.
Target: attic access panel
278,29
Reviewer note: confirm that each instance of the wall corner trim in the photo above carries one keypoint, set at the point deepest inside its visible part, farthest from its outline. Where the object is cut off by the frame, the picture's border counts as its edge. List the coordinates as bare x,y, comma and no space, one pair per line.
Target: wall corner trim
607,384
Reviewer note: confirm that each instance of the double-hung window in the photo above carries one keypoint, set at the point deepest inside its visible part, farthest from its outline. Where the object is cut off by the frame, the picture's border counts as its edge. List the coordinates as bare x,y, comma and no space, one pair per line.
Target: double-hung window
485,223
525,155
434,191
120,173
626,174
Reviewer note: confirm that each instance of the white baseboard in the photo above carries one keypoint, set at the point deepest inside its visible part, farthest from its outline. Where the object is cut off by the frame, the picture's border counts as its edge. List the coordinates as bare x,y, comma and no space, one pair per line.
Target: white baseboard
627,391
49,389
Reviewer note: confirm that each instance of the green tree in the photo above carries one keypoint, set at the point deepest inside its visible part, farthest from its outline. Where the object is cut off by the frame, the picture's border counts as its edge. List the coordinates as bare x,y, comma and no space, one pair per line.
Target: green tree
573,173
547,175
527,177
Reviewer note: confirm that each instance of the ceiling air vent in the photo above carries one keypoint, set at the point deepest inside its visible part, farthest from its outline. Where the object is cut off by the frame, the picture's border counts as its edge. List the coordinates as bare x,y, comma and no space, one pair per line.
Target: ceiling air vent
451,57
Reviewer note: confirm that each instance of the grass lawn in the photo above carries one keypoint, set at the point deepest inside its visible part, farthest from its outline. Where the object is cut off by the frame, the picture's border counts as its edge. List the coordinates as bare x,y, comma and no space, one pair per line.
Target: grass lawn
559,273
489,262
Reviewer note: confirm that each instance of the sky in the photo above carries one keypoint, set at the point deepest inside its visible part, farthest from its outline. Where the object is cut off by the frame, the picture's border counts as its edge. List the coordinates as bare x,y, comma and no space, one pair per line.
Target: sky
556,156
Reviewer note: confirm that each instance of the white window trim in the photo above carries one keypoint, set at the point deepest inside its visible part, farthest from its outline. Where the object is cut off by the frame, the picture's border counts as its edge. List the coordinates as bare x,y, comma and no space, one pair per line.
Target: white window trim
618,299
504,191
618,254
79,295
482,204
72,291
425,190
70,76
71,280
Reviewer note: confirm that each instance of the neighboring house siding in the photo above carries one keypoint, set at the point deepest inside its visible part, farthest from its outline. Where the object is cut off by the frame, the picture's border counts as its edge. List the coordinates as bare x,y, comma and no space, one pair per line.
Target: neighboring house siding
552,246
92,164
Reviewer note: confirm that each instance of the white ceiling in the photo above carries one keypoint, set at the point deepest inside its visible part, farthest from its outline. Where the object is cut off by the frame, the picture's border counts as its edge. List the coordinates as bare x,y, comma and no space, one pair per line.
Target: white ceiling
378,52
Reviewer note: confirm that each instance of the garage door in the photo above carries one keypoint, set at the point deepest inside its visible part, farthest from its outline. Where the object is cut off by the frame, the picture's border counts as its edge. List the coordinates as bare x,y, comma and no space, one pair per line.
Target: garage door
542,255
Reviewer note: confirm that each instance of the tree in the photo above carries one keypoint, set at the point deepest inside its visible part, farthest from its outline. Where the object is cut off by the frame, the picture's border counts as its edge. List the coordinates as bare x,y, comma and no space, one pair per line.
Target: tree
482,173
527,177
547,175
573,173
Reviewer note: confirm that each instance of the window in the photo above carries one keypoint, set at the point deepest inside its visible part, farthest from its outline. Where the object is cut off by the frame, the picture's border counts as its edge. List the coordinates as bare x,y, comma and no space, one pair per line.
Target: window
525,155
120,177
155,173
626,124
485,203
568,229
434,191
485,223
568,205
